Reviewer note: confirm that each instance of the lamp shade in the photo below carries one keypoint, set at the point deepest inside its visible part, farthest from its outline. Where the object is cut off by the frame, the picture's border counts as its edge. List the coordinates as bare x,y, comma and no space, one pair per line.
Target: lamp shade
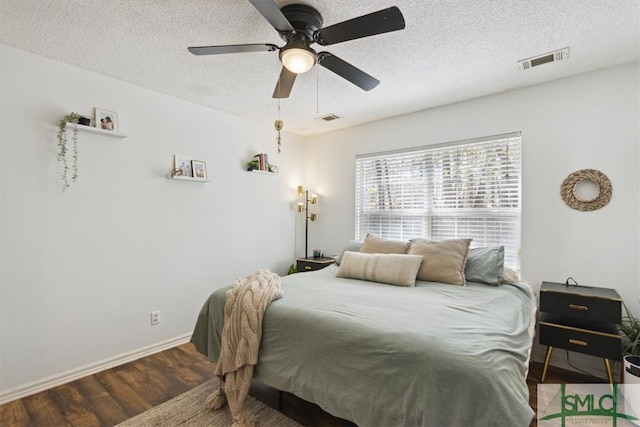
314,199
300,207
298,60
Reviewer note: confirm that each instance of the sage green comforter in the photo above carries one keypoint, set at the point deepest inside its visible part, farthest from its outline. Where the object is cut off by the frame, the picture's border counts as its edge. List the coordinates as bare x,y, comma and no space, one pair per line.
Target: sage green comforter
382,355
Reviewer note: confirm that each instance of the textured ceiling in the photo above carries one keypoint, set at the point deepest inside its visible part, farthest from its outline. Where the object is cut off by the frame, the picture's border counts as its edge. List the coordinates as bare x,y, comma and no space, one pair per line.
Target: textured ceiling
451,50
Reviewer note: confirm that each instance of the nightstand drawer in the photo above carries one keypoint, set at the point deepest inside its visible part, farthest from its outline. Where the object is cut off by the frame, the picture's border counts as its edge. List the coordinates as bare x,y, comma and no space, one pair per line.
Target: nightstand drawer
581,307
312,264
306,266
590,342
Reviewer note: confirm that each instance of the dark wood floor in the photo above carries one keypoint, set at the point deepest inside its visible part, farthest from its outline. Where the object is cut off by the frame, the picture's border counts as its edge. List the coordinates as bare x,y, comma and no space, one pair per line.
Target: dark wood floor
112,396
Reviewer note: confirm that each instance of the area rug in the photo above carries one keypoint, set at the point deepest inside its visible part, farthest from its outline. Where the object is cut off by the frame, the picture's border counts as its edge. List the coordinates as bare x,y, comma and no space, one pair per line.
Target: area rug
189,409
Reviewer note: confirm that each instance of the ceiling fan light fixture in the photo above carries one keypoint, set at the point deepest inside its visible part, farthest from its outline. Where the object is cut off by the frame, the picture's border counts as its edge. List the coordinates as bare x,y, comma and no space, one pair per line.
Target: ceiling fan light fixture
300,26
298,60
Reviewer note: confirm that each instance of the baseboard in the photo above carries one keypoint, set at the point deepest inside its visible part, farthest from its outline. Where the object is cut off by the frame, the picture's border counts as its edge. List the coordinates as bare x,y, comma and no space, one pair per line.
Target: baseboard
74,374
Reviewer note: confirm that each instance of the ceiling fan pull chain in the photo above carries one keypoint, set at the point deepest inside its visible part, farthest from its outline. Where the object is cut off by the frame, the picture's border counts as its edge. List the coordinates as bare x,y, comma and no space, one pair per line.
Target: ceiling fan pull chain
279,124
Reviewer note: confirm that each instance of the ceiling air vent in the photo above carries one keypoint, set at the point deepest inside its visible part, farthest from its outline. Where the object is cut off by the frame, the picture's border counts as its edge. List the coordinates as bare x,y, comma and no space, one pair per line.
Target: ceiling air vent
558,55
329,117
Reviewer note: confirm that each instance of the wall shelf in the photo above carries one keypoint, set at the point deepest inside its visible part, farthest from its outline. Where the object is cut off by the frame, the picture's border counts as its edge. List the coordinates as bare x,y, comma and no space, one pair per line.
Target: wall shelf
187,178
263,172
91,129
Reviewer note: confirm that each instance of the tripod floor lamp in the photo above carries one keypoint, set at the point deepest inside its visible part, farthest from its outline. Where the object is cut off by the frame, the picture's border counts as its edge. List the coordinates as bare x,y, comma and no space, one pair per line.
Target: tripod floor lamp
304,207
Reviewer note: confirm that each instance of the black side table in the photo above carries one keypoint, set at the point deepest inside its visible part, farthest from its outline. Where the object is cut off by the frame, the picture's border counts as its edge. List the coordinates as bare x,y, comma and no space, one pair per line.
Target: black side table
582,319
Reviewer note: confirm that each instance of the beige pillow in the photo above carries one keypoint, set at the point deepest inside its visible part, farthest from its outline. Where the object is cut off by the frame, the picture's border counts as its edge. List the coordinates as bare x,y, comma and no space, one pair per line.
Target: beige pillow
392,269
376,245
444,260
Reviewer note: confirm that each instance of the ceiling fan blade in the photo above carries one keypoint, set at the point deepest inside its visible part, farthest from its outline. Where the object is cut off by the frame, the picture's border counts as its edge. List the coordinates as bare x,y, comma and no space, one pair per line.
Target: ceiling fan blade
382,21
232,48
347,71
272,13
285,83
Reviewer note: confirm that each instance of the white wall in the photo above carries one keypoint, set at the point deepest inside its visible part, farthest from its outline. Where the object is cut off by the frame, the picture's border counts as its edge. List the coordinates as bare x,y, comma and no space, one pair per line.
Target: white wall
81,270
587,121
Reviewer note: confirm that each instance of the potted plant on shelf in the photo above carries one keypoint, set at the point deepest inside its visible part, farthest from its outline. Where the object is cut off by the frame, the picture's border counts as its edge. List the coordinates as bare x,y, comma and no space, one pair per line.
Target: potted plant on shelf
62,148
630,329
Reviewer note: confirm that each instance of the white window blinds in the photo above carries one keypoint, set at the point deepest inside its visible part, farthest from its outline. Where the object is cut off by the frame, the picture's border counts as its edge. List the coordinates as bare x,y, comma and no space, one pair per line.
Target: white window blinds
455,190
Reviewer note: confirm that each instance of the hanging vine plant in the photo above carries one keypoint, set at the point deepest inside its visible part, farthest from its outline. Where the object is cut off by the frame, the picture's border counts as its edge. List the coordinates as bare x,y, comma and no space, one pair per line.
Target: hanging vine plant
63,150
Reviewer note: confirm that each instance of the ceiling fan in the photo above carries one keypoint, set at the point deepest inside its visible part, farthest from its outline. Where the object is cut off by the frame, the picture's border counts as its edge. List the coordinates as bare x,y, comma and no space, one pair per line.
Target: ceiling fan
300,26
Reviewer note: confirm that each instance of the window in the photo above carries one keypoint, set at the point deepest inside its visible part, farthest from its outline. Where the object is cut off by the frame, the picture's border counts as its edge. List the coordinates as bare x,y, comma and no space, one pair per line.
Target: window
455,190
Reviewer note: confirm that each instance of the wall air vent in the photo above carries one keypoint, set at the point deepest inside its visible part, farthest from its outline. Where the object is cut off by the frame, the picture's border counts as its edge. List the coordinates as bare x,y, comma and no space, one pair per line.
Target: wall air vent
329,117
558,55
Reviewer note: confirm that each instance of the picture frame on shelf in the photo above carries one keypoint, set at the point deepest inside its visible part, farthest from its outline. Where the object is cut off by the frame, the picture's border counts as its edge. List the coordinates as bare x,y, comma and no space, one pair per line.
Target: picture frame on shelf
199,169
183,163
106,119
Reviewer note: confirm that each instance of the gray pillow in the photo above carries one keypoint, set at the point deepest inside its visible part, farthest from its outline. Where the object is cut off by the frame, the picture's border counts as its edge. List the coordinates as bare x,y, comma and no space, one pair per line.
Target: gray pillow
353,246
485,265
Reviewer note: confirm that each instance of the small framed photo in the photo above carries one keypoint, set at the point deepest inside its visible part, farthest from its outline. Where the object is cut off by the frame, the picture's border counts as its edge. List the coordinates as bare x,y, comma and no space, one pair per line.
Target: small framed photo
199,169
107,120
182,166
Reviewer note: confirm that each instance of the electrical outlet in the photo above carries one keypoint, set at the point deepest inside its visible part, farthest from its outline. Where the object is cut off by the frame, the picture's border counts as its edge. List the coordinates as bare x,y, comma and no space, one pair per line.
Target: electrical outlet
155,317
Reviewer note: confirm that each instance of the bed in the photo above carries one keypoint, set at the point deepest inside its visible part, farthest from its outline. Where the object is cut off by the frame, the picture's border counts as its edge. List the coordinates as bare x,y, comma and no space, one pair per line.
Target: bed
381,355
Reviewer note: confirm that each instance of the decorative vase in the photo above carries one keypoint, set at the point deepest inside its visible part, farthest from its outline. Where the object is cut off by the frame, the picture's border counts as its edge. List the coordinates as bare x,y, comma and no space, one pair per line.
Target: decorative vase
631,386
631,369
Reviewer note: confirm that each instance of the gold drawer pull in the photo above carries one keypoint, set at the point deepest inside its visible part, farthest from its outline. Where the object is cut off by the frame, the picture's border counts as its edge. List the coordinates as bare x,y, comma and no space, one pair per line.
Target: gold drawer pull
577,342
578,307
306,267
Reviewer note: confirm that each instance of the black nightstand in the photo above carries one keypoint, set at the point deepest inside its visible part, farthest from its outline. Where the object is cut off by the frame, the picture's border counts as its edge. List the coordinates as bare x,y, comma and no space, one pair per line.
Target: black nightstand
312,264
582,319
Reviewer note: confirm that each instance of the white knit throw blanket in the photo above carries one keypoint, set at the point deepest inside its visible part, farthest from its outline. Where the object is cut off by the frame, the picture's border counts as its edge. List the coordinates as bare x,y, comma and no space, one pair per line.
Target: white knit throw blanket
244,310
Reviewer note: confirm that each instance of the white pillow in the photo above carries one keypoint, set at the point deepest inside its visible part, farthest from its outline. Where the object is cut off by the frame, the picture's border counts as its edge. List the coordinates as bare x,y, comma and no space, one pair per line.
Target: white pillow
392,269
377,245
444,260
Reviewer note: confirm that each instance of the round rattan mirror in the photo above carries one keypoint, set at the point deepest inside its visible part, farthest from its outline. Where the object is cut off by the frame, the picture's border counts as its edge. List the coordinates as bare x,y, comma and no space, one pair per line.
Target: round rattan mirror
570,195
